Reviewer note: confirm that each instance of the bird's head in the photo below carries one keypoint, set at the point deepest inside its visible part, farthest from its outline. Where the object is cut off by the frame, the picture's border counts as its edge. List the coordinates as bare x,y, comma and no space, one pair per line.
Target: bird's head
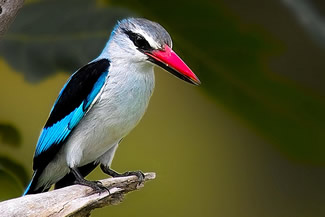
142,41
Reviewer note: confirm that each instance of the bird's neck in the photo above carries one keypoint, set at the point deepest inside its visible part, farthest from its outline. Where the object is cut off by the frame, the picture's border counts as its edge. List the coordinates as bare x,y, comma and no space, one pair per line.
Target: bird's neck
127,73
132,75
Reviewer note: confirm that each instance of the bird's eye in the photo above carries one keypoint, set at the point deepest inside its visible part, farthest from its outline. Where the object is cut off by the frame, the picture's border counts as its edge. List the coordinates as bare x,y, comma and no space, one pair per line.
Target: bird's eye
141,43
138,40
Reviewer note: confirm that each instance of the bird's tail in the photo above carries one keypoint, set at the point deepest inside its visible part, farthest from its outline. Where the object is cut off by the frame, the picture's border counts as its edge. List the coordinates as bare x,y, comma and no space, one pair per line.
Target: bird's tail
31,188
30,185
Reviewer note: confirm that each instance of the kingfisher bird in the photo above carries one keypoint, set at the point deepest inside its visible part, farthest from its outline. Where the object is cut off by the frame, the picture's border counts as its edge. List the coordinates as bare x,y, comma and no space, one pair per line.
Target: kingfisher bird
101,103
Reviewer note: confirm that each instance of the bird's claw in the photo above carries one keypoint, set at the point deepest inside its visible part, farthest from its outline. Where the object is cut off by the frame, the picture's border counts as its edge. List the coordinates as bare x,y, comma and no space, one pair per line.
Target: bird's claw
97,186
113,173
139,174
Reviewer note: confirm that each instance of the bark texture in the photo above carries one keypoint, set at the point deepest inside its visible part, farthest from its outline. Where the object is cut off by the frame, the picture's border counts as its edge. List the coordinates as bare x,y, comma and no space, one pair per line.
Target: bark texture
8,11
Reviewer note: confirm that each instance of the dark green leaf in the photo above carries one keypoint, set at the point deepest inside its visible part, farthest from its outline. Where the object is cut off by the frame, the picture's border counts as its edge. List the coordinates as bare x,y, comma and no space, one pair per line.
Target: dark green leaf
13,178
53,35
10,187
15,169
9,135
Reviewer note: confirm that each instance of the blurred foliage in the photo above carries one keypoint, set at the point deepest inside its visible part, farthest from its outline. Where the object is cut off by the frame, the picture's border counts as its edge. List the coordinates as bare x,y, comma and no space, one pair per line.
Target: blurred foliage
9,135
12,174
12,186
72,34
229,58
15,169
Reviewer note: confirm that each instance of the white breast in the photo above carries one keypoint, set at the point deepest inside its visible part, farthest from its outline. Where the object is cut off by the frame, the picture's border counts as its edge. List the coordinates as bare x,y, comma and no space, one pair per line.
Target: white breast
119,108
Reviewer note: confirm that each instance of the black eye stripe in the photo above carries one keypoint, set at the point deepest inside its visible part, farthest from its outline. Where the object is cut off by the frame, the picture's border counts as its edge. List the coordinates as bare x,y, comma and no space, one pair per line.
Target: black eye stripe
138,40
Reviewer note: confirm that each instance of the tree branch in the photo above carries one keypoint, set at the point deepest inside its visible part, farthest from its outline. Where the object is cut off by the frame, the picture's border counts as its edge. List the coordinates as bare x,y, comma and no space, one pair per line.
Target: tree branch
75,200
8,11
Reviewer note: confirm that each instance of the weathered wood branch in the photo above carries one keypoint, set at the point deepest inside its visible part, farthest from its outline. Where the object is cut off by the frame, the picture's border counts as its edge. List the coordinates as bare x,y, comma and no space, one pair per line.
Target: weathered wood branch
75,200
8,11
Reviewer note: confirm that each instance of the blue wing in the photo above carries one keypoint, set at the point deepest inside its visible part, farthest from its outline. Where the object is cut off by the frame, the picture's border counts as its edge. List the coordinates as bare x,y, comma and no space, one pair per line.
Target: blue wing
70,107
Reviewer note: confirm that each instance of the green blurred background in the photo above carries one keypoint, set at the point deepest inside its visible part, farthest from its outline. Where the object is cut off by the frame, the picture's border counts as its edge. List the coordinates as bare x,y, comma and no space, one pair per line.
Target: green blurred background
248,142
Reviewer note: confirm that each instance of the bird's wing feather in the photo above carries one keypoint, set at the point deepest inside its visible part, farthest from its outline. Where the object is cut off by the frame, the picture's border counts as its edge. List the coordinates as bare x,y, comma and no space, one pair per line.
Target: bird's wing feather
73,102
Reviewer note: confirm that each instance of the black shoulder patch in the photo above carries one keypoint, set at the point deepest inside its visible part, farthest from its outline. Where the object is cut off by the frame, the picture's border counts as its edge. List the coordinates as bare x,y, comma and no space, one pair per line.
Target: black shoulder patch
77,89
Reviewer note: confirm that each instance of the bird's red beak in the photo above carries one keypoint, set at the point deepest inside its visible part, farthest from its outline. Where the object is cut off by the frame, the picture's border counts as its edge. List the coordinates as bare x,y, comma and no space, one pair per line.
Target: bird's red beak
170,61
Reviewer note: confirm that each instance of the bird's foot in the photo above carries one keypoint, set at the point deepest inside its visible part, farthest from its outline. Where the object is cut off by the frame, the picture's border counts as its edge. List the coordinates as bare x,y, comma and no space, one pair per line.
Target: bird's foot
97,186
113,173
